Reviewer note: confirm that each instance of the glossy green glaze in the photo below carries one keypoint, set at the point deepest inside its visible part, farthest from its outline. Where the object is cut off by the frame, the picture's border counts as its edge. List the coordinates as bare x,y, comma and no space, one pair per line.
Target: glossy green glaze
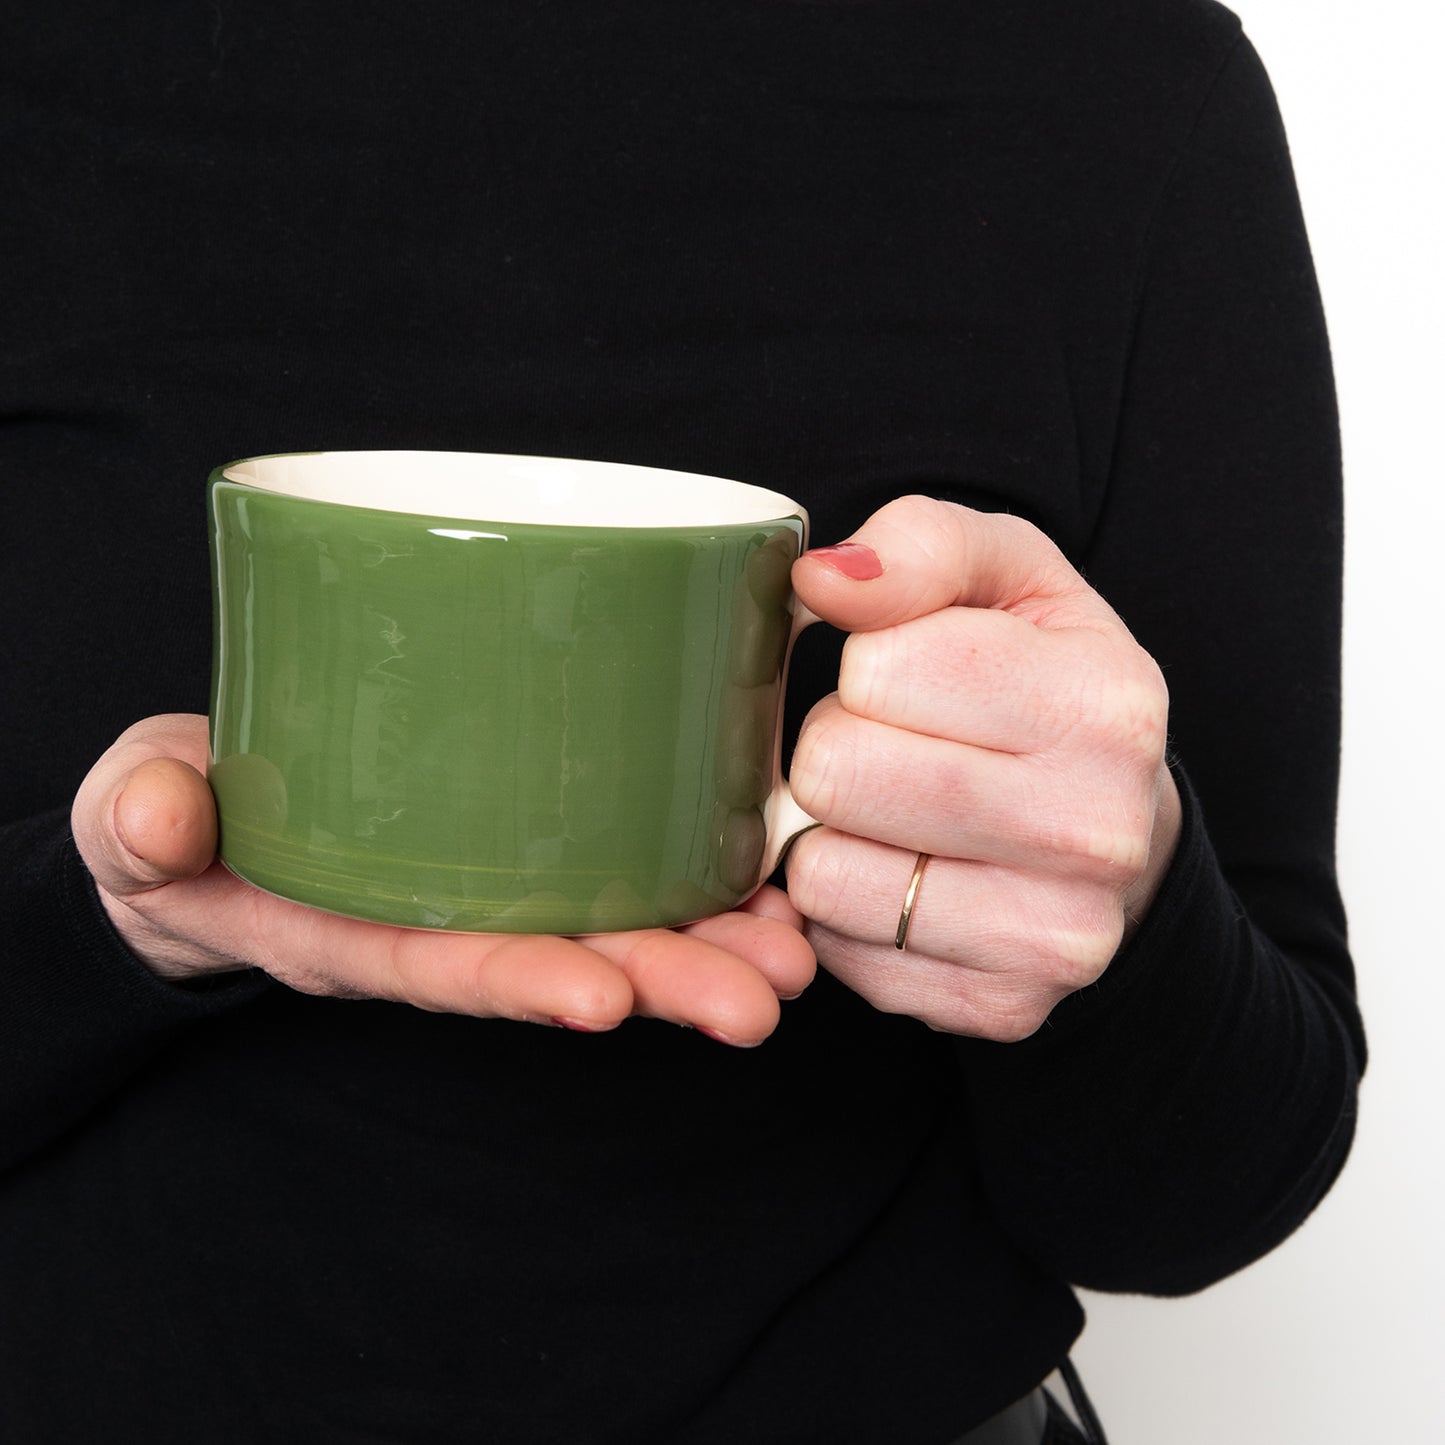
487,726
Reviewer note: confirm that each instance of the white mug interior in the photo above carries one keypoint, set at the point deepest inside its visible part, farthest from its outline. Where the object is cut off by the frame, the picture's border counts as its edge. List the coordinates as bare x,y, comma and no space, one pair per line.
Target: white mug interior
544,491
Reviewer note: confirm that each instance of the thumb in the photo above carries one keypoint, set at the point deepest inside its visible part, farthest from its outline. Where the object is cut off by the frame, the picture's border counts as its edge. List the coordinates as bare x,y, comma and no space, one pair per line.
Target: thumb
145,815
918,555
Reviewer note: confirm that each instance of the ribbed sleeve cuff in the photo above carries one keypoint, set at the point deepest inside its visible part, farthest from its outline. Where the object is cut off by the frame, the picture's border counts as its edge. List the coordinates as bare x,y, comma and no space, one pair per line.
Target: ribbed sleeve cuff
1134,1140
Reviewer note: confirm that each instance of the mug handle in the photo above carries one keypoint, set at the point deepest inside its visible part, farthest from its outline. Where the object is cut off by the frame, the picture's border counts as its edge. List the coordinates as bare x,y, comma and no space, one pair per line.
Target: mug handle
785,821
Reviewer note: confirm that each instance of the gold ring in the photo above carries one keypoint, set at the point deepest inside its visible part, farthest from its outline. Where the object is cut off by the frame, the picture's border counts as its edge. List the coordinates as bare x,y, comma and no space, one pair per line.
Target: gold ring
900,939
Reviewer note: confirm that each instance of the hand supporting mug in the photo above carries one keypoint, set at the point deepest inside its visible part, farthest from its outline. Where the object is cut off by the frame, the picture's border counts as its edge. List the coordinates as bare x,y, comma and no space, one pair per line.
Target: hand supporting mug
144,822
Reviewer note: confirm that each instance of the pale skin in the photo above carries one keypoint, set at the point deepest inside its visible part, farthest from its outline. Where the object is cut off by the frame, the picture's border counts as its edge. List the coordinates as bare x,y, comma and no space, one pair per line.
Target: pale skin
991,711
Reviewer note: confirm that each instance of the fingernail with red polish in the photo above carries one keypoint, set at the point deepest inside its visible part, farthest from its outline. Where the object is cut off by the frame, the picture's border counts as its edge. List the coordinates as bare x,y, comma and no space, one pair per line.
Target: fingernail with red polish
578,1026
852,559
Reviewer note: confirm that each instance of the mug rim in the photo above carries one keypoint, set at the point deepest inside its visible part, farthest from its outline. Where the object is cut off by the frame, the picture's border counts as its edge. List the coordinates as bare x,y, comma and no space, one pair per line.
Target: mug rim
511,489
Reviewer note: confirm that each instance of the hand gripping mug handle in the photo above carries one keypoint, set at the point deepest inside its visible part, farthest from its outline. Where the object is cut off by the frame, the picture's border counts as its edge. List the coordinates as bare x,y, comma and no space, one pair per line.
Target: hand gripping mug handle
785,821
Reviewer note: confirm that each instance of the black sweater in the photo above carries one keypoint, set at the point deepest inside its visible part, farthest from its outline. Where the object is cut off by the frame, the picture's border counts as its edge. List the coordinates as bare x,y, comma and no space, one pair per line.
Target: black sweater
1044,257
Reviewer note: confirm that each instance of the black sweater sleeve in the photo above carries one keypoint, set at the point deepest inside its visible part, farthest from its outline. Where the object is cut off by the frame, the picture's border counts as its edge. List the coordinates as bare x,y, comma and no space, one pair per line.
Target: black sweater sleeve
1177,1120
80,1012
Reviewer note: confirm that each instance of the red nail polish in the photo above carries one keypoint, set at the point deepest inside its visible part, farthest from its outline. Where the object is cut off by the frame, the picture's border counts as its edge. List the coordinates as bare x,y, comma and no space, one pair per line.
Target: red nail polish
576,1025
719,1037
852,559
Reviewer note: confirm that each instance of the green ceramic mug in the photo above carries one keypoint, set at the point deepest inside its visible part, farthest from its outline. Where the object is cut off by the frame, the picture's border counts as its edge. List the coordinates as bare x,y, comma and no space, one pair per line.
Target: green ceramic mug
494,693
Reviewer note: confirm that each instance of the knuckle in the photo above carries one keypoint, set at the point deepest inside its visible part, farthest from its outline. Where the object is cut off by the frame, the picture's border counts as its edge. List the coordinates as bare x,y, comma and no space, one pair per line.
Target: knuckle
649,957
1116,858
1109,849
1079,955
1108,697
827,767
1022,533
921,513
1013,1021
1002,1008
807,890
934,534
408,975
305,958
1136,711
873,679
821,877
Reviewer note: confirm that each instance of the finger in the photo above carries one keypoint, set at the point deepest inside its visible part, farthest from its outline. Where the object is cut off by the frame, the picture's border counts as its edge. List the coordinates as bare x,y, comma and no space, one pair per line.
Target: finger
532,978
766,932
990,919
691,980
165,819
929,794
917,555
1005,1006
982,677
536,978
144,815
770,902
935,796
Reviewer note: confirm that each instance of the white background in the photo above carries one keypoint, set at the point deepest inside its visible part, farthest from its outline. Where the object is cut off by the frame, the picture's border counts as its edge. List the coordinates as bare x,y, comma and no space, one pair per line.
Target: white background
1338,1338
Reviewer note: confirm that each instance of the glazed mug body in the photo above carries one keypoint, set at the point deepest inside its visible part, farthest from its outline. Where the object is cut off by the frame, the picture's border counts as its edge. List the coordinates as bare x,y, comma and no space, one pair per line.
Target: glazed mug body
493,693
